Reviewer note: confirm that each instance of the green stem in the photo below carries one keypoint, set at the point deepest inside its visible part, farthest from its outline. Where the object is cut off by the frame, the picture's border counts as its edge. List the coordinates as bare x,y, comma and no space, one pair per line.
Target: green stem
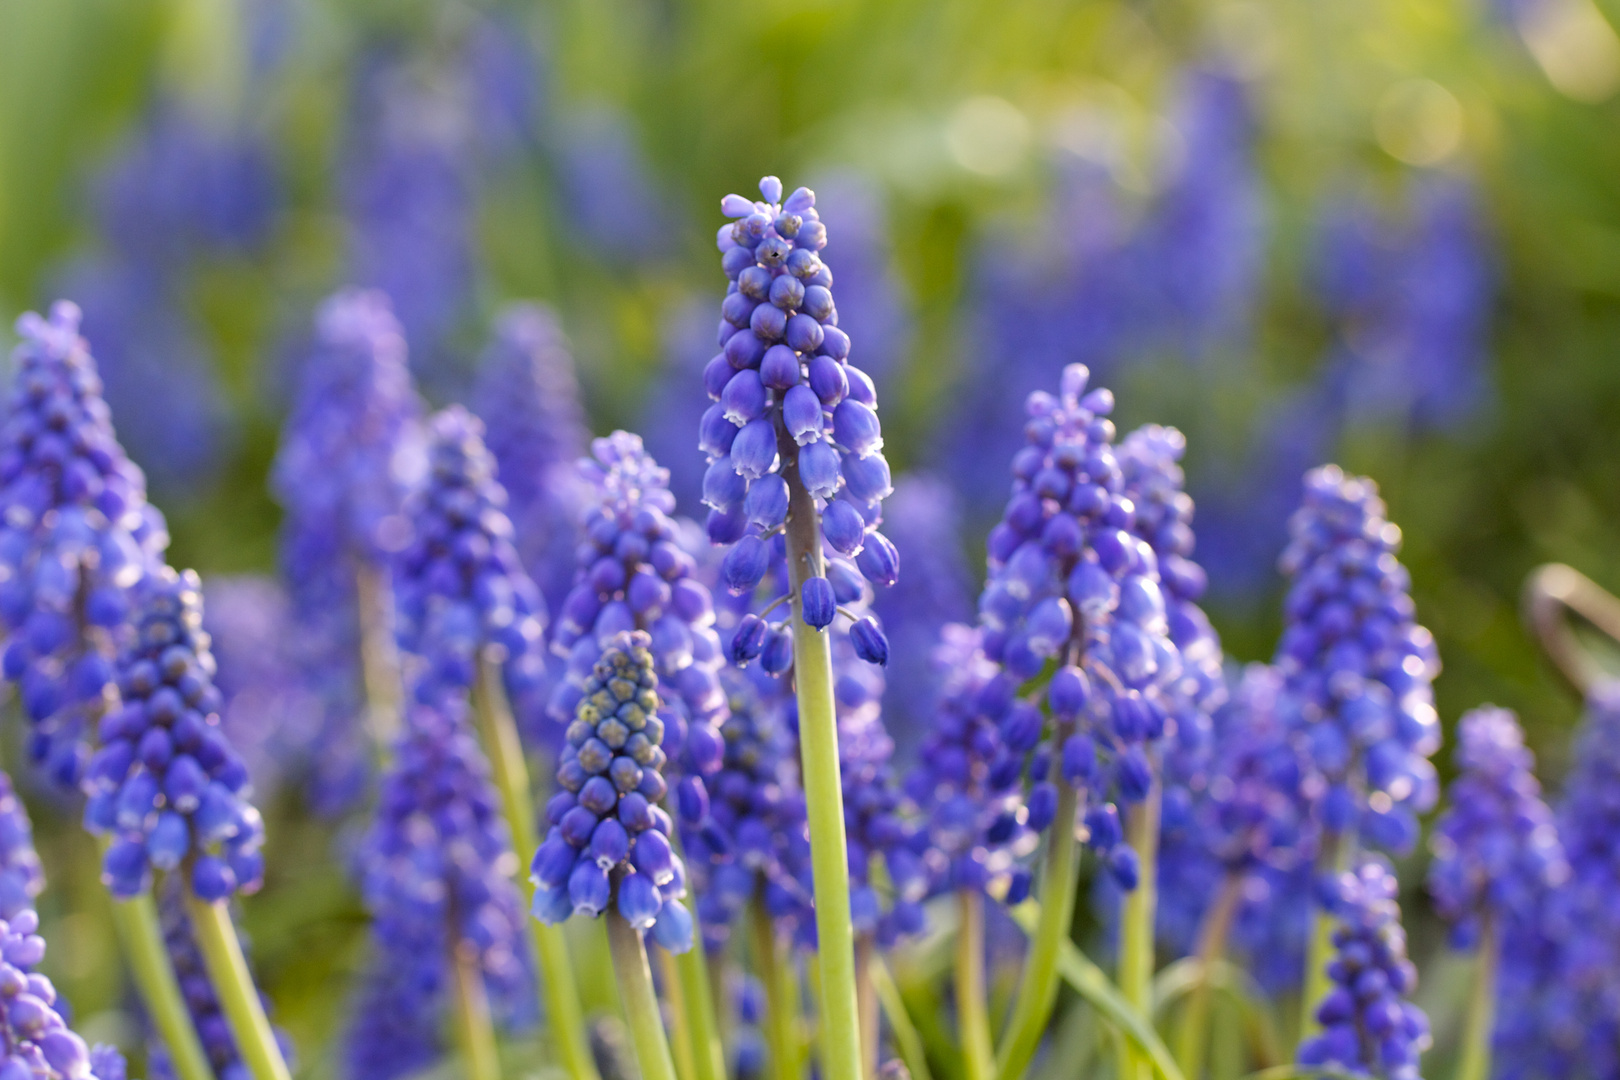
498,733
379,656
866,1001
691,970
233,984
824,797
1137,924
675,997
972,1014
1481,1022
1037,991
906,1035
141,932
1333,859
781,997
474,1027
1194,1032
640,1003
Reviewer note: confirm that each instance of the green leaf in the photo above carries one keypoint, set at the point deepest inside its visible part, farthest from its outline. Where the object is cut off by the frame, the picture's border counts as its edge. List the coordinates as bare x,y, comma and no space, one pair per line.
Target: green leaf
1092,983
905,1032
1225,977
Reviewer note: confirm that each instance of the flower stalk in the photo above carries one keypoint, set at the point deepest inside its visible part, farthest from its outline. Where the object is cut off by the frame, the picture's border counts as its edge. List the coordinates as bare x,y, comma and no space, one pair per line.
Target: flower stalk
473,1024
497,731
238,997
1137,925
824,795
379,655
1037,990
142,935
1481,1018
640,1003
781,996
1193,1036
972,1011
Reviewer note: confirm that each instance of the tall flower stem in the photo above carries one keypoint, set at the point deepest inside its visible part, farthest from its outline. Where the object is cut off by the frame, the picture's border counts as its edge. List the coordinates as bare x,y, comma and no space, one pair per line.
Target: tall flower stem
687,974
498,733
866,1000
1193,1035
238,997
781,996
473,1024
1037,991
1481,1020
640,1003
824,796
1137,925
379,655
972,1012
1319,949
142,934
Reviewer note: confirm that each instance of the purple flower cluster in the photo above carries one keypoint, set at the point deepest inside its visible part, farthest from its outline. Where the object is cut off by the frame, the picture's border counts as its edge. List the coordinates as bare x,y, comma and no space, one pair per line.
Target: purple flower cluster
1496,846
969,777
1414,298
1560,994
436,876
534,424
37,1040
1358,667
1244,815
461,590
1369,1028
636,572
782,383
756,836
77,536
924,520
21,876
213,1027
166,784
1072,586
350,451
352,446
610,842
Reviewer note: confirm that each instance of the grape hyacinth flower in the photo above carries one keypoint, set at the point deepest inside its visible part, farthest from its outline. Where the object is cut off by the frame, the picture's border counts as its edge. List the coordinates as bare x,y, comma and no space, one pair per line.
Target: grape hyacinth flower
21,876
923,521
463,595
1073,589
969,777
609,840
528,398
349,452
794,446
636,572
1071,584
352,446
472,623
1358,667
757,836
1559,958
1369,1026
437,868
783,383
78,535
166,785
1496,846
37,1040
